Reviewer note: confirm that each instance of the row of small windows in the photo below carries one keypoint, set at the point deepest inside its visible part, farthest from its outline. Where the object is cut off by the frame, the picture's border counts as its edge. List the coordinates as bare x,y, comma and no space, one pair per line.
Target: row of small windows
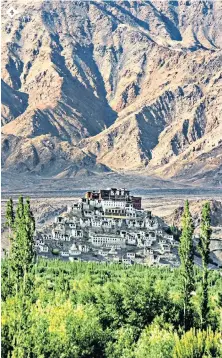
115,211
104,239
111,203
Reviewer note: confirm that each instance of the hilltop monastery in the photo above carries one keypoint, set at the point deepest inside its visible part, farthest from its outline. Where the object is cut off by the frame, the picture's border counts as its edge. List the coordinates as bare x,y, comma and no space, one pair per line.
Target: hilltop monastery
109,226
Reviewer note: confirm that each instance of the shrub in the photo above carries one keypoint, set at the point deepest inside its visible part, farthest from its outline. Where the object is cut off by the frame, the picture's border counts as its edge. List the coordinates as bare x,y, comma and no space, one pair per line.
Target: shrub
156,342
55,251
198,344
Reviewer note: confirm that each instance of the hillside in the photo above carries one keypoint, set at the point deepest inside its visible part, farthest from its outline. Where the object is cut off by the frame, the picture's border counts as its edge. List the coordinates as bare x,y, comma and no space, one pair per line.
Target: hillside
113,86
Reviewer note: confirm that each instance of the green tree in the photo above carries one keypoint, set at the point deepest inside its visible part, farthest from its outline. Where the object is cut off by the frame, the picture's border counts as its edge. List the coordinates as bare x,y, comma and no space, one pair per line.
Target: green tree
19,279
204,250
123,344
198,344
10,215
156,341
29,218
186,253
22,250
100,315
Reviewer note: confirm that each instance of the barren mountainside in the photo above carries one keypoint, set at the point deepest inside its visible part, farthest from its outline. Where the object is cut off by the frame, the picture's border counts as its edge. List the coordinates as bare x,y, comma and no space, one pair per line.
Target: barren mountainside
122,86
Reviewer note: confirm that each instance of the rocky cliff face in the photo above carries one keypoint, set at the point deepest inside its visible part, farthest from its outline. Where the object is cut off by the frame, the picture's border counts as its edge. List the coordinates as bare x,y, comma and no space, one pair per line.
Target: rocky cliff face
123,86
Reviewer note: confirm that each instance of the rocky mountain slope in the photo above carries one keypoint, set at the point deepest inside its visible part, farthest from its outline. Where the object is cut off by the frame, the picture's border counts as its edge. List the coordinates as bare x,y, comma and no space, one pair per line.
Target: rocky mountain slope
121,86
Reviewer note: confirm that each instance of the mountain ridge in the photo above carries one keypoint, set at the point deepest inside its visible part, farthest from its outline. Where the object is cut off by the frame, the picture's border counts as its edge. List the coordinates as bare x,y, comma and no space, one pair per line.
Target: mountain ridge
127,86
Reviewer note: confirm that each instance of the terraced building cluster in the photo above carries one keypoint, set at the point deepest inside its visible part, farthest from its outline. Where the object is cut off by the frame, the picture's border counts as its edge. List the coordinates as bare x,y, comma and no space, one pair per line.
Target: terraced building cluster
109,225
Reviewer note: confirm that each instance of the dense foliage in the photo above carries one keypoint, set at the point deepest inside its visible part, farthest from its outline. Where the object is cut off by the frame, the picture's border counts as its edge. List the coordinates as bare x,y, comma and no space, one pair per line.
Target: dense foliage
97,310
90,310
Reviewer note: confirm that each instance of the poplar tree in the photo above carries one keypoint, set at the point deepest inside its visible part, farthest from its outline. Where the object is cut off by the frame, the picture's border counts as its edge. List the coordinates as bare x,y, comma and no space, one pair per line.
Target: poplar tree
186,252
10,215
29,217
204,250
15,253
22,250
10,220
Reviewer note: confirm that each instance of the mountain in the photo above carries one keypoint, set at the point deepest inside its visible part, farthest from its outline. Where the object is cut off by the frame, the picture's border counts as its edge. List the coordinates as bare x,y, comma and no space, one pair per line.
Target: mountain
113,86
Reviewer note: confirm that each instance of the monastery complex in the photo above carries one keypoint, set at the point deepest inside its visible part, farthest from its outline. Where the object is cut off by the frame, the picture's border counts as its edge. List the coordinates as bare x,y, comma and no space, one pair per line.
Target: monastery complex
109,226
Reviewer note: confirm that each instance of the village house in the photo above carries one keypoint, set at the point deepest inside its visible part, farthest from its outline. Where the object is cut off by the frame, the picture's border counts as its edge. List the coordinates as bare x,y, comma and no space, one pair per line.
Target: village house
104,239
64,253
74,250
131,255
43,248
126,261
83,248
